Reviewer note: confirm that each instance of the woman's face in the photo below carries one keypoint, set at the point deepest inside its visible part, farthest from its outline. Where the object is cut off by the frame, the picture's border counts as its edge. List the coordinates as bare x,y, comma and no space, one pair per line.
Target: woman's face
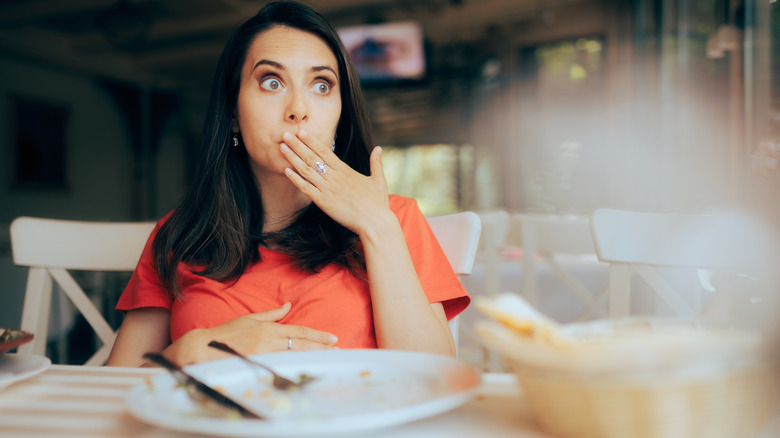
289,82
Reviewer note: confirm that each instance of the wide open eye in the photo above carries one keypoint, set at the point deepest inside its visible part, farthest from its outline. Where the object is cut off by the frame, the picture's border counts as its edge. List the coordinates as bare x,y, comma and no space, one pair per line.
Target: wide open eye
322,87
272,84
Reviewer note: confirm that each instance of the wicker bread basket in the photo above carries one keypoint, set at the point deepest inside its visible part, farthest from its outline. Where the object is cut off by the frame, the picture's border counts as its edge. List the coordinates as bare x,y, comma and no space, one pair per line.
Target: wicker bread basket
642,378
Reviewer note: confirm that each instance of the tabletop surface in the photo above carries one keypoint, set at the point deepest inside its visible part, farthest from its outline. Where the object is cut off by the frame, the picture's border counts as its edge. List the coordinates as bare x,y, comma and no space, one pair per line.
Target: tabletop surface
80,401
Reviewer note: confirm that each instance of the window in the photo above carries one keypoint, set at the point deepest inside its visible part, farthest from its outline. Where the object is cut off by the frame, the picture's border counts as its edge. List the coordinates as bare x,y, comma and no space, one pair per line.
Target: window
443,178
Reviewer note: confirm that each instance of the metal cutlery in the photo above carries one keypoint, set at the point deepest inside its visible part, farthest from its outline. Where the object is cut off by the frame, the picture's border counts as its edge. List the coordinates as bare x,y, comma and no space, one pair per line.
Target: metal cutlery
191,382
279,382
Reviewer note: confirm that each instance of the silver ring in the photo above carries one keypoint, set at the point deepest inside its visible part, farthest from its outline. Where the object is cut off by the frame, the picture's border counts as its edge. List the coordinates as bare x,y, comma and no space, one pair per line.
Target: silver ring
289,343
320,167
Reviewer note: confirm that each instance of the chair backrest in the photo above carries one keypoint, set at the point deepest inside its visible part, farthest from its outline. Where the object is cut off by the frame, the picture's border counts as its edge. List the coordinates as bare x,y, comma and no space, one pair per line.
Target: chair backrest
546,237
495,230
640,242
50,247
458,235
553,234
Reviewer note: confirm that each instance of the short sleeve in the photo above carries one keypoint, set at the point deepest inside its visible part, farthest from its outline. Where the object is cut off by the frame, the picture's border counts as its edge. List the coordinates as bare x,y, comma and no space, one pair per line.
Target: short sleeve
438,280
145,288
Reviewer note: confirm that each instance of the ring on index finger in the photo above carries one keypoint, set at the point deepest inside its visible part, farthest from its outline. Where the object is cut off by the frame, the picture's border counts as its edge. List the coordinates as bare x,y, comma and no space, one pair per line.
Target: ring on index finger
289,343
320,167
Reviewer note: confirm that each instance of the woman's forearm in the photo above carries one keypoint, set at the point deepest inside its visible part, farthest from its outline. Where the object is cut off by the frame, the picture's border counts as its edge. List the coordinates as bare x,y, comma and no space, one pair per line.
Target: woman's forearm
148,330
404,319
143,330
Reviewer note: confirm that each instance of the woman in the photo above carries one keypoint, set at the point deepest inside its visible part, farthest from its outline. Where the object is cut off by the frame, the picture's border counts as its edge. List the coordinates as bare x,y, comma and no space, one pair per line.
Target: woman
288,239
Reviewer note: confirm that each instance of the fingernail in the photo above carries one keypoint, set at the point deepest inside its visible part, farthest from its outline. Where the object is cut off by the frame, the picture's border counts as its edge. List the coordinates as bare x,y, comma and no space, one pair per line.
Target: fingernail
303,133
333,339
379,150
286,136
285,147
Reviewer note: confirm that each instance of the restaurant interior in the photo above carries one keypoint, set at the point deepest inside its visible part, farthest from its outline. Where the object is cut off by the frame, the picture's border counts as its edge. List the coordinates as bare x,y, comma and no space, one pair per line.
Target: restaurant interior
513,109
560,123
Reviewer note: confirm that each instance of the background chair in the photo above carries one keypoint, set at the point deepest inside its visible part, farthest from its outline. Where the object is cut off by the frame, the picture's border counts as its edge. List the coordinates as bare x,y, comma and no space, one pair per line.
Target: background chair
735,246
458,235
495,229
50,248
548,238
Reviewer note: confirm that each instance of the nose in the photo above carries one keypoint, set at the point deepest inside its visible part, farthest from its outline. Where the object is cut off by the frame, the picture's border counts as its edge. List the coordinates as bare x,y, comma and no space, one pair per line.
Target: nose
297,108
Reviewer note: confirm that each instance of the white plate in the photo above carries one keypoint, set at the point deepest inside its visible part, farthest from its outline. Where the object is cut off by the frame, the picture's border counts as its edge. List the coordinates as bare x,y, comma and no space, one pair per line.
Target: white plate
15,367
355,390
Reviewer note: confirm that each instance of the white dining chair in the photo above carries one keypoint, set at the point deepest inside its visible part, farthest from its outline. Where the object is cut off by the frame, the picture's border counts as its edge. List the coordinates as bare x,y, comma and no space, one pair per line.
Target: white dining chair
458,235
495,229
548,238
730,242
51,247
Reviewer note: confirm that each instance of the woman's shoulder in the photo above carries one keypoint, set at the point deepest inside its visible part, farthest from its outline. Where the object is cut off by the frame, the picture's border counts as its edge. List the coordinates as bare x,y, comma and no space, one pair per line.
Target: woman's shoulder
159,223
165,218
400,203
406,209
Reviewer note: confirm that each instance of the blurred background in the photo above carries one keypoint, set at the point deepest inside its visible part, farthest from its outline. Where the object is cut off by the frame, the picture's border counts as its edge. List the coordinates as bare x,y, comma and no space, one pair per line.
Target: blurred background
524,106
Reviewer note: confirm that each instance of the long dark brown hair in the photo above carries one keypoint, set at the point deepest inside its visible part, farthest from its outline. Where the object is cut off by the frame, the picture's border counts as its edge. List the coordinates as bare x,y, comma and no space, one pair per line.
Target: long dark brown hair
217,227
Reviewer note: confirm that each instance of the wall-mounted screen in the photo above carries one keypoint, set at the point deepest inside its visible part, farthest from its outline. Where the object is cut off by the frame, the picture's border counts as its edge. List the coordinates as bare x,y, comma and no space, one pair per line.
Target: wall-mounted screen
386,52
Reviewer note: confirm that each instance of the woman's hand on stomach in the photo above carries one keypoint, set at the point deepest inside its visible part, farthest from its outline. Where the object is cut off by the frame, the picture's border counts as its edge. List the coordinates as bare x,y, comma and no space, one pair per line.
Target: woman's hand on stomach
249,334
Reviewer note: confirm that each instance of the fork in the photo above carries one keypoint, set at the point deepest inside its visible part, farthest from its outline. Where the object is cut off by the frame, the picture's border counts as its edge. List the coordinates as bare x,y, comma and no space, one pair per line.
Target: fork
279,382
189,381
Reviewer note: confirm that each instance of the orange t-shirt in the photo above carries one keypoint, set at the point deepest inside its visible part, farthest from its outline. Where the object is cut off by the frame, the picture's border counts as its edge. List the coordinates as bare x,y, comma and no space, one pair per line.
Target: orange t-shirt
332,300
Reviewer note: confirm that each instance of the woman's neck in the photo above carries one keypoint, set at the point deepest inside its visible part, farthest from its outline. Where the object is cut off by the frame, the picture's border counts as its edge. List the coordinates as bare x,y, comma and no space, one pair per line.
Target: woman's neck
281,201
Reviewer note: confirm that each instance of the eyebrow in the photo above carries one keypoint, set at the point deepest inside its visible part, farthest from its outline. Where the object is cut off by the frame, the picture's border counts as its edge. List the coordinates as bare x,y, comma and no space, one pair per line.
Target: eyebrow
267,62
278,66
323,68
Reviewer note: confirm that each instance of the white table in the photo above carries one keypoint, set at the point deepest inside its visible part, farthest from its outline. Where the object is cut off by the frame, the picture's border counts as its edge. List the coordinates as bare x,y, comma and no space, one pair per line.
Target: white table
79,401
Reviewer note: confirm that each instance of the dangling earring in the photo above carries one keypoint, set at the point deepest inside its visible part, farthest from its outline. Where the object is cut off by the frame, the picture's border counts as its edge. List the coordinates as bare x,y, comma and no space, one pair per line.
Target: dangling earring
235,139
333,145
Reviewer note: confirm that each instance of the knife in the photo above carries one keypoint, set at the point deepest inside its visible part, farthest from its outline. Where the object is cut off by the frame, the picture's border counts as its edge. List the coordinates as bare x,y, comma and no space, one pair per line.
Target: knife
186,379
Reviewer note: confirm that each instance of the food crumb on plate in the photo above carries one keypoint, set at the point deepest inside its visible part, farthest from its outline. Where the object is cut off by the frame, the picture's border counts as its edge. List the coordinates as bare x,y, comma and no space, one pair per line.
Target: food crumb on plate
149,384
281,404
